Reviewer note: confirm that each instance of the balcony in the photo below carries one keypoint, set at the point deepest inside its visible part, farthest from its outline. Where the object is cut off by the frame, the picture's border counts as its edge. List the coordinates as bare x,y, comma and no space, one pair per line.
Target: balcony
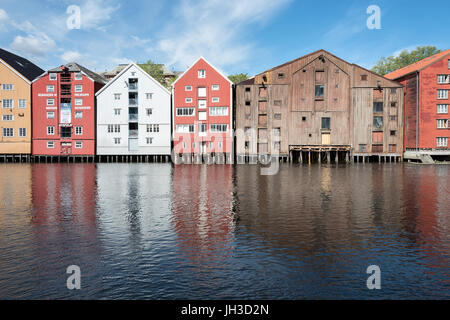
132,87
133,133
133,102
133,117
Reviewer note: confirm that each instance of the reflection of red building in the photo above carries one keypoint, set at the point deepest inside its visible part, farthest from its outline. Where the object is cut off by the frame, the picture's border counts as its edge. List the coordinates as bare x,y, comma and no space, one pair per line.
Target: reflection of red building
64,192
202,112
64,111
202,208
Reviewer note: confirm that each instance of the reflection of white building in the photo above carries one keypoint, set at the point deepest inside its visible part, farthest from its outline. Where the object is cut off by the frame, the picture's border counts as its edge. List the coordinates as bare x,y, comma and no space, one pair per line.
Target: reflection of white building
133,115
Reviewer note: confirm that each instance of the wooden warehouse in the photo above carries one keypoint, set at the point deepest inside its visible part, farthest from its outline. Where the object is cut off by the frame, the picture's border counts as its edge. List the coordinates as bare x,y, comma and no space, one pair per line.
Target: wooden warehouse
319,108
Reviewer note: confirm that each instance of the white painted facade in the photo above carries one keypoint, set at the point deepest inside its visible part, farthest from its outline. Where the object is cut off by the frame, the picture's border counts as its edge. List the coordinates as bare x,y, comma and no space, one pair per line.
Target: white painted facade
115,109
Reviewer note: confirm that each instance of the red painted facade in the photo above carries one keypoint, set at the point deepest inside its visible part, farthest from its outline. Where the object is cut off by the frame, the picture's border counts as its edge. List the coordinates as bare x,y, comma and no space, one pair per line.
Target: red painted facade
421,119
68,139
186,94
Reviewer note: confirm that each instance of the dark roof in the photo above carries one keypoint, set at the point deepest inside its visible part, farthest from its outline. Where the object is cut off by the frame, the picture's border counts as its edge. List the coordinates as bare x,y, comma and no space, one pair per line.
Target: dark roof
246,82
75,67
23,66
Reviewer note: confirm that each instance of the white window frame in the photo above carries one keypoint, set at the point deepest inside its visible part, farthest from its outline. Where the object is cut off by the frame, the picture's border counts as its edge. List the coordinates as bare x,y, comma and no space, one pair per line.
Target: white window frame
78,144
215,87
181,112
117,96
188,100
200,92
78,130
78,102
442,142
117,140
442,94
442,123
201,73
52,76
50,113
78,113
149,111
5,116
4,104
7,87
202,115
22,103
22,132
442,108
9,132
50,130
78,76
202,103
149,140
50,102
215,100
50,144
117,111
149,96
214,128
188,88
78,88
50,88
443,79
185,128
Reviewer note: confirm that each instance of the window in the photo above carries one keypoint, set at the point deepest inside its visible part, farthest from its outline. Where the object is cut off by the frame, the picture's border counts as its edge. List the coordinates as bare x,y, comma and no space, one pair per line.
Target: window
202,115
78,115
362,148
78,131
50,115
116,96
149,111
247,89
8,132
393,118
78,76
52,76
442,142
215,87
277,145
50,88
303,118
364,77
201,74
201,92
444,78
78,102
202,104
78,88
113,128
393,90
280,75
7,87
117,112
377,107
149,96
22,103
202,127
188,100
277,132
153,128
277,116
393,104
149,140
116,140
378,122
50,144
392,148
442,94
215,99
247,103
185,112
7,117
320,90
326,124
218,127
188,88
7,103
50,102
449,63
66,132
442,108
442,123
277,103
263,92
78,145
50,130
22,132
185,128
393,132
218,111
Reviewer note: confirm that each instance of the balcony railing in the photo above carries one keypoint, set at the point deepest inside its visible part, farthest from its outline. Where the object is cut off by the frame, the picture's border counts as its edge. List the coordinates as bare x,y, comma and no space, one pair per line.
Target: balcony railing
133,133
132,86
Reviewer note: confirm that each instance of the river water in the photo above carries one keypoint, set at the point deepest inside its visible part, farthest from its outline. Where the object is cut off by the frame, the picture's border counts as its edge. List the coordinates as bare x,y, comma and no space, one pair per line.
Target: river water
157,231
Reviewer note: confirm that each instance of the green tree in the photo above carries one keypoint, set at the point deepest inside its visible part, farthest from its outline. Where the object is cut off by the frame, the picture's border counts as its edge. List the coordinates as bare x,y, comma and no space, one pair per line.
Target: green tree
154,70
236,78
405,58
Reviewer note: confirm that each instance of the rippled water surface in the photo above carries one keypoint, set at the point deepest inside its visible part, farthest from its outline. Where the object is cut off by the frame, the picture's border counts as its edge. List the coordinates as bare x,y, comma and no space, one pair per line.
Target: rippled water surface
154,231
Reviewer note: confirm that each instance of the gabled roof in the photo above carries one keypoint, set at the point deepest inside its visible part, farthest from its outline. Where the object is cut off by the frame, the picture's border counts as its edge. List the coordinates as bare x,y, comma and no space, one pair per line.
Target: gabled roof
418,66
75,67
23,66
202,58
124,70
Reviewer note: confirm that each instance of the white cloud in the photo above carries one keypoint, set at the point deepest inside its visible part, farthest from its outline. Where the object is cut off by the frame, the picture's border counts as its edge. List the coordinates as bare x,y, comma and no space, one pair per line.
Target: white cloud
36,44
94,13
215,29
3,16
71,56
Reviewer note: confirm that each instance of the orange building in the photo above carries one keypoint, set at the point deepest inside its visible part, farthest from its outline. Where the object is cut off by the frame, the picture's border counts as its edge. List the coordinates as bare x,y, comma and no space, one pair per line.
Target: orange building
16,75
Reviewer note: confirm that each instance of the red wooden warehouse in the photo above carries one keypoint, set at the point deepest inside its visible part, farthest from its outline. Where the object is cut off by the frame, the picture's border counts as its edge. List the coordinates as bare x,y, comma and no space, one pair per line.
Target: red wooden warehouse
426,122
202,115
64,111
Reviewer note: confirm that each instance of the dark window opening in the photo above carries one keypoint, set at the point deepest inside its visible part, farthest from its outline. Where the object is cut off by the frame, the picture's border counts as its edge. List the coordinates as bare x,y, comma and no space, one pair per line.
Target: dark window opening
393,90
326,124
393,132
320,91
277,103
393,104
247,103
303,118
378,122
281,76
66,132
247,89
378,107
364,77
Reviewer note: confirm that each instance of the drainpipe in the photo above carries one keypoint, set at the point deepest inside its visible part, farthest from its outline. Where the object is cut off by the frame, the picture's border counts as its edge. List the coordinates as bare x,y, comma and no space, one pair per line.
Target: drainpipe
417,110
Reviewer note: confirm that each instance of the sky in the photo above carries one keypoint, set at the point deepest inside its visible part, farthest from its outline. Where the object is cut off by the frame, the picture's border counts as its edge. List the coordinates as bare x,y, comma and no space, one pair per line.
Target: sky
237,36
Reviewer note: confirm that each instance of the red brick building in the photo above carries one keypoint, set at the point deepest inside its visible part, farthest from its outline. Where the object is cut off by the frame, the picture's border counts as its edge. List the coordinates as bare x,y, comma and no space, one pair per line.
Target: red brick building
202,115
426,116
64,111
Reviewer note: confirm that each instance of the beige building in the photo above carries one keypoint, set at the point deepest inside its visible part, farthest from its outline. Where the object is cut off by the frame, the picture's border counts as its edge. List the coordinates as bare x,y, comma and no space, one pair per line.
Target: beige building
319,108
16,74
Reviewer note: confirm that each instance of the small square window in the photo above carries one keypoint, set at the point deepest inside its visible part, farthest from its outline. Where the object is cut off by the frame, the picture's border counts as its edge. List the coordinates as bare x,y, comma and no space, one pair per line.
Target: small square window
215,99
247,89
247,103
201,74
393,132
50,115
364,77
78,76
320,91
280,75
78,145
393,104
303,118
215,87
149,96
50,144
188,88
393,90
52,76
78,115
78,88
277,116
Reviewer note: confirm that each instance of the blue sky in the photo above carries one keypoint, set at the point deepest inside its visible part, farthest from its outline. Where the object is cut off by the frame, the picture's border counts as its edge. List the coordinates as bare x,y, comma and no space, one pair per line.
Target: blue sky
236,35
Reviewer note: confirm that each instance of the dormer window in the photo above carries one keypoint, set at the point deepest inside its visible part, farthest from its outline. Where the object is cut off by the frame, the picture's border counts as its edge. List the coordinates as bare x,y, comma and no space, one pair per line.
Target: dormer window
52,76
78,76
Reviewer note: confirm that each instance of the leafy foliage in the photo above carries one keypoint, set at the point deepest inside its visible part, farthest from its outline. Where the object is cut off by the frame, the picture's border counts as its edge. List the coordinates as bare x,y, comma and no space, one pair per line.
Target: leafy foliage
236,78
